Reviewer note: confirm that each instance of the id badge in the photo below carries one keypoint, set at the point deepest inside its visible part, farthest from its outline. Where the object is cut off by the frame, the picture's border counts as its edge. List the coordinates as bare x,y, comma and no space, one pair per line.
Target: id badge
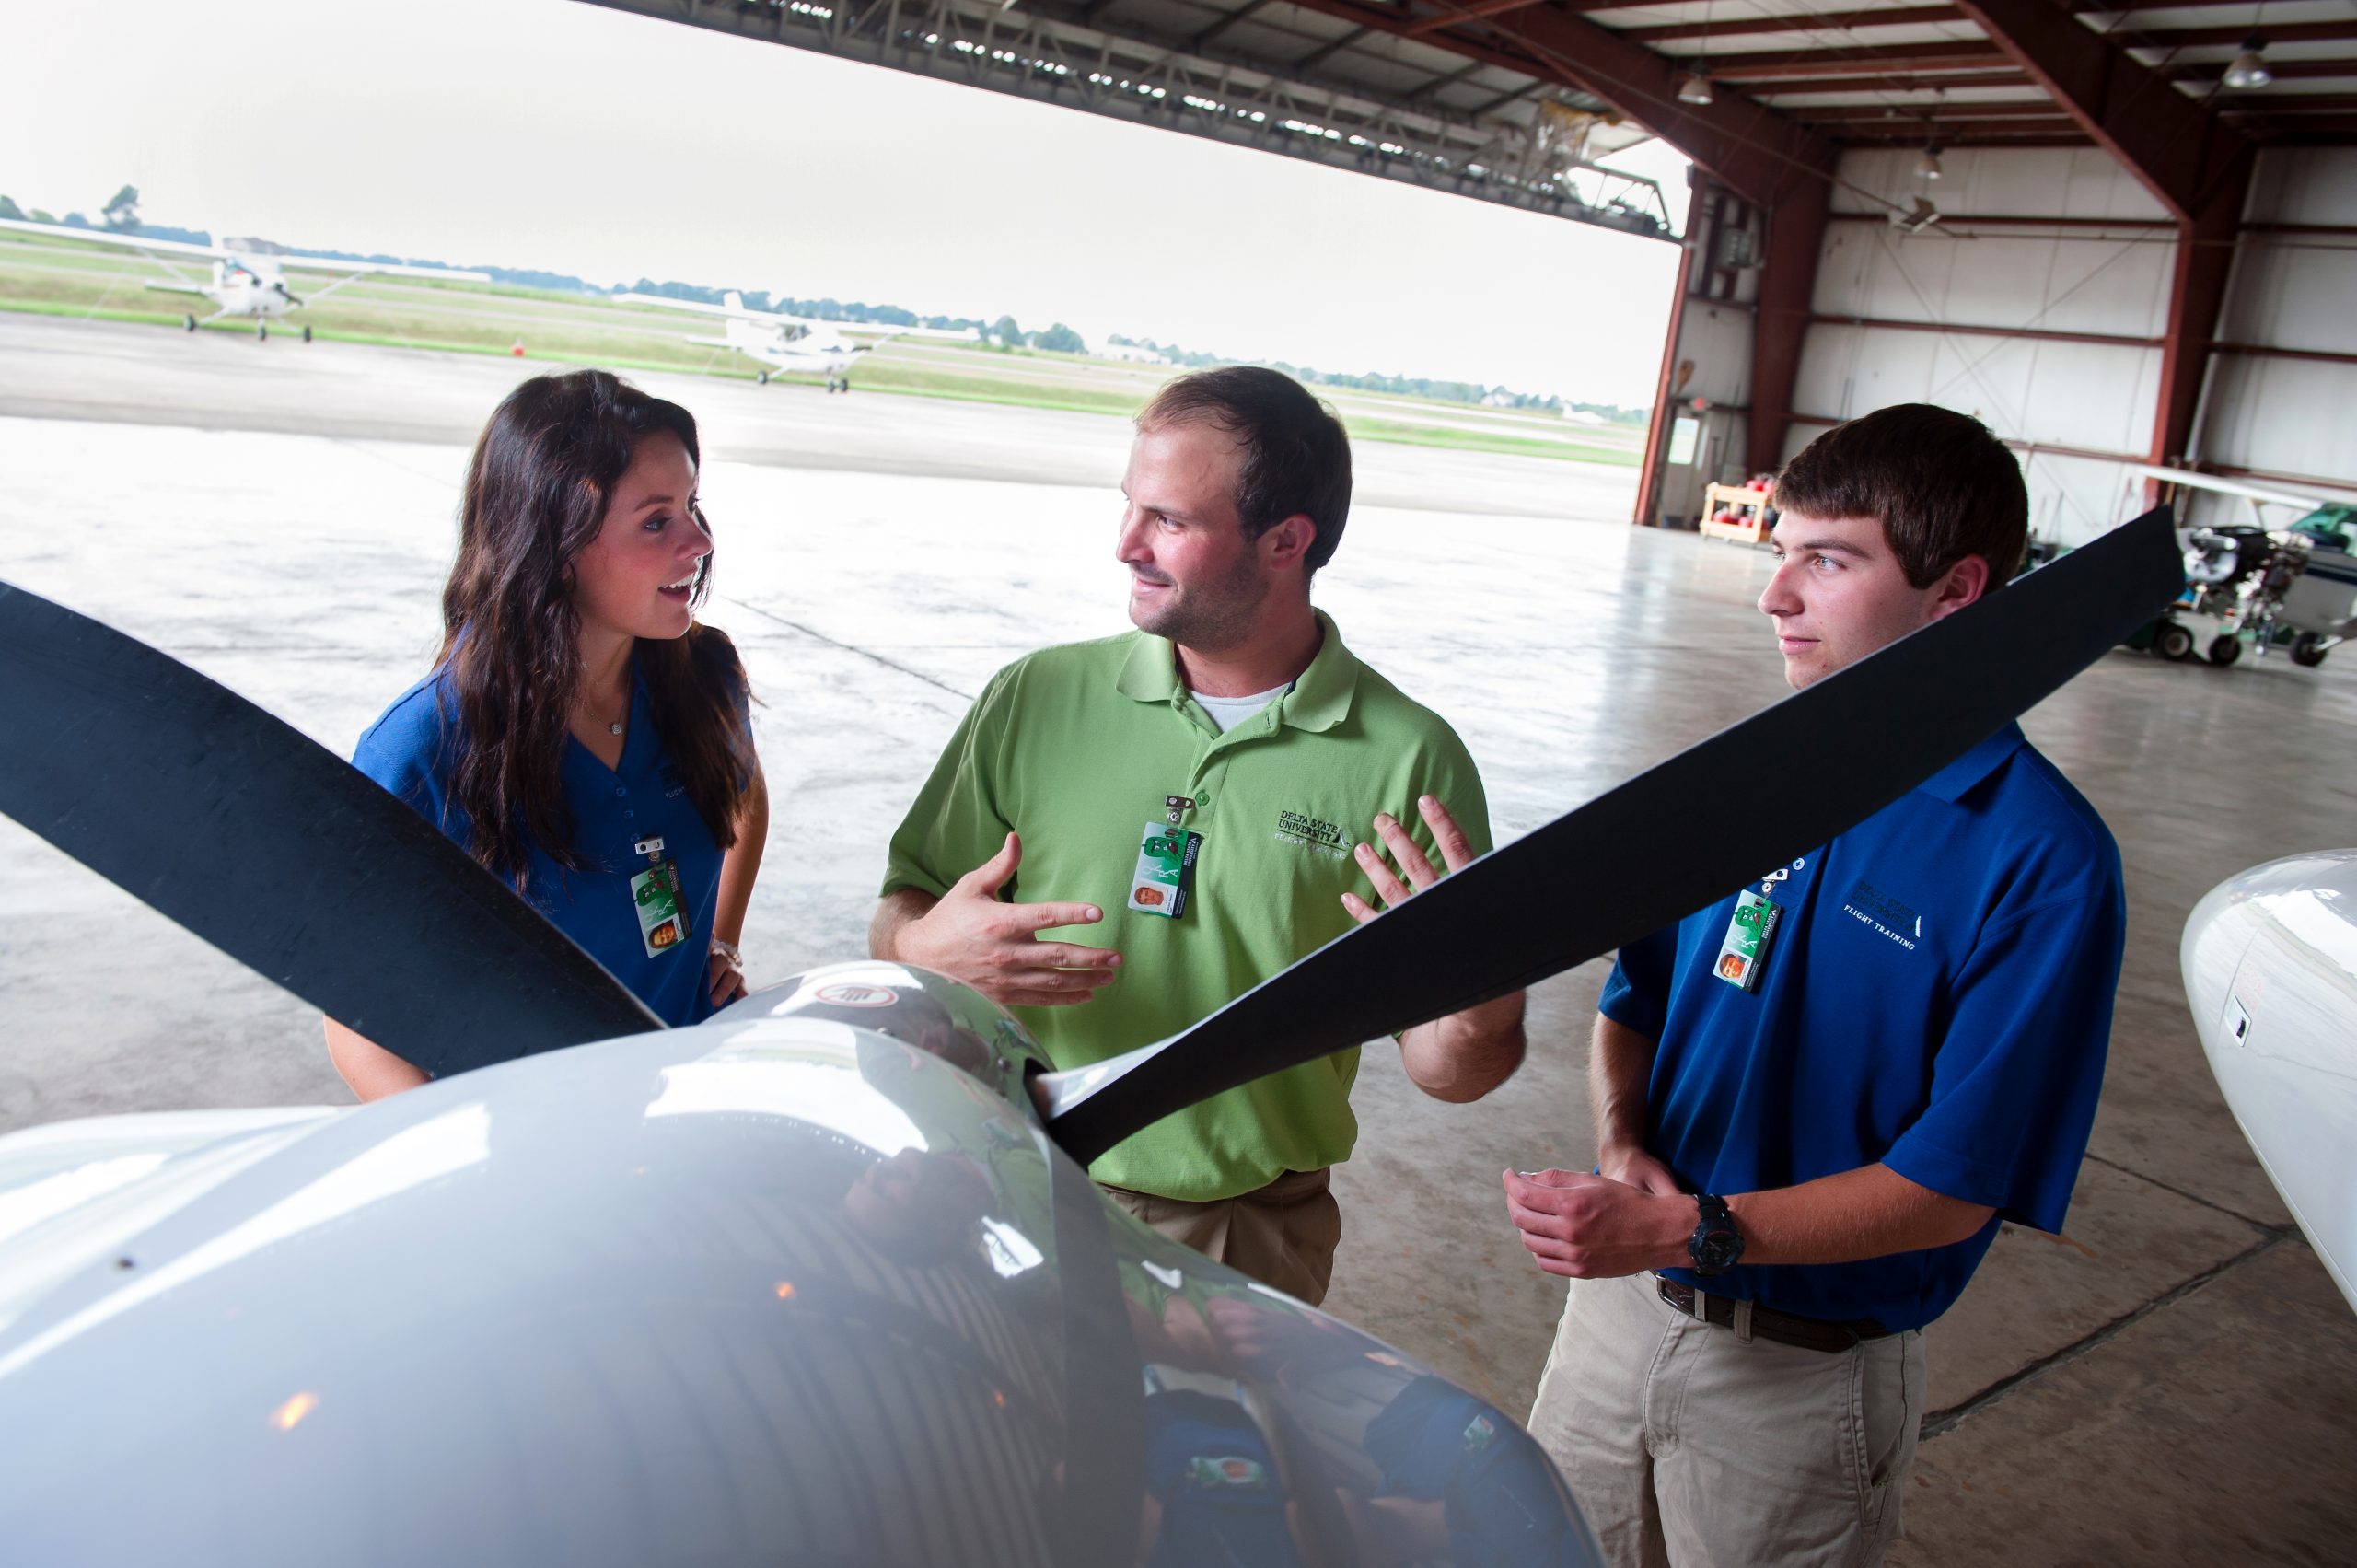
1164,877
1744,955
662,912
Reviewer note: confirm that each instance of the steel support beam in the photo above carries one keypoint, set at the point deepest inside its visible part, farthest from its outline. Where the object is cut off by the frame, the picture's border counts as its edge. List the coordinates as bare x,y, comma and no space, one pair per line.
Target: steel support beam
1772,64
1042,52
2229,37
2175,147
1450,15
1799,21
2192,161
1953,329
2010,138
1941,114
2205,261
2282,70
1750,149
1658,426
2022,220
1787,284
2004,77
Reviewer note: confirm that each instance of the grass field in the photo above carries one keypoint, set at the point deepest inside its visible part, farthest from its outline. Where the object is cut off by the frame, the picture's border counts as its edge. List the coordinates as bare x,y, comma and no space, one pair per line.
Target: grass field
65,277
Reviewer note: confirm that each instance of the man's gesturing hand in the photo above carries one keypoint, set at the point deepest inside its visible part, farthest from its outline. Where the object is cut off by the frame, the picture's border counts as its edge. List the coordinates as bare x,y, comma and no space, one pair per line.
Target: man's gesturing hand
1592,1227
995,946
1466,1054
1455,852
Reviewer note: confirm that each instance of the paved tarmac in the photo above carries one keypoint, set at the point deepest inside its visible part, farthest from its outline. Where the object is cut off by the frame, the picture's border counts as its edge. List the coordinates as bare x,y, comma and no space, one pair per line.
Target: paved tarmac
2174,1382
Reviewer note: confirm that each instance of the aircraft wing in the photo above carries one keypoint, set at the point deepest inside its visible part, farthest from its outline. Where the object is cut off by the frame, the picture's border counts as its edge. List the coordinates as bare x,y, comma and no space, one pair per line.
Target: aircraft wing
114,237
2267,495
876,330
665,302
178,288
377,268
182,247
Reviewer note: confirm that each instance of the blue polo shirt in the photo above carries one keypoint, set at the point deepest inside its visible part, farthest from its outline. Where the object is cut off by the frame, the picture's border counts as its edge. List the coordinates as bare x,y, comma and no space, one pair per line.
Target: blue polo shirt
1937,997
411,751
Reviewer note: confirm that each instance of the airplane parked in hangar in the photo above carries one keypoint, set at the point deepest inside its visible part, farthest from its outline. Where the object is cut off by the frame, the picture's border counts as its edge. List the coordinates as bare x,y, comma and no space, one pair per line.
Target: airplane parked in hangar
782,343
822,1279
248,281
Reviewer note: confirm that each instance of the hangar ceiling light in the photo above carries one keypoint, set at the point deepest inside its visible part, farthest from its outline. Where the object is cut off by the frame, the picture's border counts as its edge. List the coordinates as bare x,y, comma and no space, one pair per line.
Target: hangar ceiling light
2249,68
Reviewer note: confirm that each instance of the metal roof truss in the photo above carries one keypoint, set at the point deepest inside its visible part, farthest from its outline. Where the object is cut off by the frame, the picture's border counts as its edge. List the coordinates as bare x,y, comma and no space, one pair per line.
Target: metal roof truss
1514,155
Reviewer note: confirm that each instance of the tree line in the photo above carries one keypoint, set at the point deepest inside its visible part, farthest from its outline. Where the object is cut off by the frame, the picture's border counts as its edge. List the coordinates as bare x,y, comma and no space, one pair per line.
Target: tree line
1409,386
121,214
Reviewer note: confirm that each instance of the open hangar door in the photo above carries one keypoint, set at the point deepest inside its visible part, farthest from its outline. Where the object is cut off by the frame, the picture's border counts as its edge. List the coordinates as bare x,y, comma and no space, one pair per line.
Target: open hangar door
2123,233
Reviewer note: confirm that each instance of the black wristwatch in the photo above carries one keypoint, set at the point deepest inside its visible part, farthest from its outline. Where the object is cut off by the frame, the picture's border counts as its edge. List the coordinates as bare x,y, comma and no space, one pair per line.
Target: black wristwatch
1715,1244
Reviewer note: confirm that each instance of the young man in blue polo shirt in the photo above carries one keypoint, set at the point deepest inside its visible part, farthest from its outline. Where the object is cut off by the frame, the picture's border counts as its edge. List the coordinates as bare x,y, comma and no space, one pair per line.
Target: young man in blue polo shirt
1817,1099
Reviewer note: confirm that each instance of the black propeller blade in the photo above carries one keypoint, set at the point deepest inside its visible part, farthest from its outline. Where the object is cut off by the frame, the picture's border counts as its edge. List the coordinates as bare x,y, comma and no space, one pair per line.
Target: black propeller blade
280,854
1658,847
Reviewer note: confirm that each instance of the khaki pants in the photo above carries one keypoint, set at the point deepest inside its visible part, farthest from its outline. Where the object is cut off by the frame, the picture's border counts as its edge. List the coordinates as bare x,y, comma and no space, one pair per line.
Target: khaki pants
1685,1446
1282,1234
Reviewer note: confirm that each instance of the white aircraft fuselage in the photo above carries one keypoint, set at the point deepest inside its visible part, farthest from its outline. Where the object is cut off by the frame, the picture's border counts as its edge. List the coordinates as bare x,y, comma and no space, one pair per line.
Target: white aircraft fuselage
251,289
2270,959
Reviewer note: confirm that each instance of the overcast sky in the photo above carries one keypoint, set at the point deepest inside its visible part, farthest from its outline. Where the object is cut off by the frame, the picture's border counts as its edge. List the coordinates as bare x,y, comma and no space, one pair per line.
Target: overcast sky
555,135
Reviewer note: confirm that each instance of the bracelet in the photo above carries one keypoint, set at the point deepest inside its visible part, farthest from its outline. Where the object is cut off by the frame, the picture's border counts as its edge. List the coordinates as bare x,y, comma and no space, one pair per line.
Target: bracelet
727,950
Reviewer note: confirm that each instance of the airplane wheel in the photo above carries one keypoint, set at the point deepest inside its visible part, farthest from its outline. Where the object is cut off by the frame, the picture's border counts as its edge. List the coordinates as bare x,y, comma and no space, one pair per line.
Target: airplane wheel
307,334
2225,650
2172,641
760,378
262,331
190,322
2305,651
846,383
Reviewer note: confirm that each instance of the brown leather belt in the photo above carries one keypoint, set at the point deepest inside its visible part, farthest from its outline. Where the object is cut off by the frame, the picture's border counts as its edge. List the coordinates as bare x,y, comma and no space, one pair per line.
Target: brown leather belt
1784,1328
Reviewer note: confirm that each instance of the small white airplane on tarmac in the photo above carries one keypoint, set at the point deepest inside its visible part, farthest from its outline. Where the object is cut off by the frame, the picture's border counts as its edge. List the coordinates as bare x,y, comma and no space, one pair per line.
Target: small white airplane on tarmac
248,282
780,344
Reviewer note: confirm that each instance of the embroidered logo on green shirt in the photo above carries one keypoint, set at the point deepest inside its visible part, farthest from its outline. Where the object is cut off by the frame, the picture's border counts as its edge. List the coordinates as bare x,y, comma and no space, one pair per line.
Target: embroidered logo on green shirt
1303,828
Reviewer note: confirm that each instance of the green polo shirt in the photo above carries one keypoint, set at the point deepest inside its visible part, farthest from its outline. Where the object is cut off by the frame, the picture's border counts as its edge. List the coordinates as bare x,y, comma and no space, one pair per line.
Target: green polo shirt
1077,749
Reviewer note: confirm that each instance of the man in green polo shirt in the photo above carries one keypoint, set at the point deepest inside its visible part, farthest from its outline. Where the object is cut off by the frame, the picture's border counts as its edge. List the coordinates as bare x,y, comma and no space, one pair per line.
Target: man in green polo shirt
1177,810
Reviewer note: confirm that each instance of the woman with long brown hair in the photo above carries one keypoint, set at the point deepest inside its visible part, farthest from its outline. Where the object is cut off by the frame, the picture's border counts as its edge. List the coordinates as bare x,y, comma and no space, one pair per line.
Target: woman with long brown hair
581,733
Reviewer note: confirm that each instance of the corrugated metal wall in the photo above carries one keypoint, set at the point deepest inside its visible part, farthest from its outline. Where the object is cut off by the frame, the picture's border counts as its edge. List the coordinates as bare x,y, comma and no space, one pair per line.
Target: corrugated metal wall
2079,411
2051,330
2291,423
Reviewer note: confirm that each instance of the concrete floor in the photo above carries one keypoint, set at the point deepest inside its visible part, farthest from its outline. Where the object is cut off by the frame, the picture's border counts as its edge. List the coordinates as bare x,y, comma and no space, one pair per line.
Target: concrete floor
2174,1382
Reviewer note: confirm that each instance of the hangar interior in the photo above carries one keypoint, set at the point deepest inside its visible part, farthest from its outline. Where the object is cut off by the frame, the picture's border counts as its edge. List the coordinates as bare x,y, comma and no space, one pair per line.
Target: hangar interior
2093,225
2121,232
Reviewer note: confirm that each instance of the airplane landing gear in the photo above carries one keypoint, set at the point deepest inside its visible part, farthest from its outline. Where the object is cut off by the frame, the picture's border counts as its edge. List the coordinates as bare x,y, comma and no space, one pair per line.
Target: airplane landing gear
262,331
837,384
307,334
760,378
190,322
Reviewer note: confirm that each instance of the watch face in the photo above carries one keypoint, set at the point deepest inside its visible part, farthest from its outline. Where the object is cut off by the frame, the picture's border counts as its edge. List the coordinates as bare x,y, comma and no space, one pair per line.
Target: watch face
1717,1249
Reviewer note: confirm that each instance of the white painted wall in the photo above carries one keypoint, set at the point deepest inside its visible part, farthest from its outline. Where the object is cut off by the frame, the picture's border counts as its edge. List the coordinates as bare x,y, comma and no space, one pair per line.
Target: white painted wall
2292,419
2062,405
2038,395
